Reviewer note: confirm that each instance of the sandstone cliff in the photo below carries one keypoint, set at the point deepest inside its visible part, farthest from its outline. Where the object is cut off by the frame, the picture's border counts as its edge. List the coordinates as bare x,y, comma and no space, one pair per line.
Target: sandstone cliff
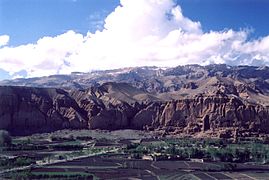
26,110
191,99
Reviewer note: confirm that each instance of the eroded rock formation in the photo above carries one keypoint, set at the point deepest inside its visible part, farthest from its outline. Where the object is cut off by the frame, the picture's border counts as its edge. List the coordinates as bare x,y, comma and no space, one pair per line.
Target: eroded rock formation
192,99
25,110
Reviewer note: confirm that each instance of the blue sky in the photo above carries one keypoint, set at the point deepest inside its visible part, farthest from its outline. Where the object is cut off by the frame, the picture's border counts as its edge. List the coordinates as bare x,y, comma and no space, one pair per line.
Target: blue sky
27,21
235,14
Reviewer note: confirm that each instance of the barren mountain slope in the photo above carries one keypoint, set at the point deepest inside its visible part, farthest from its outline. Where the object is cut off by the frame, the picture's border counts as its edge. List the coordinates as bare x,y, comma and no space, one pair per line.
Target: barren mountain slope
187,99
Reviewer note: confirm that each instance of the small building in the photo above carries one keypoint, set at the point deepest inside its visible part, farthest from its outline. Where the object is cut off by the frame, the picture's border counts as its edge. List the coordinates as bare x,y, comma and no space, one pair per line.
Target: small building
147,157
197,160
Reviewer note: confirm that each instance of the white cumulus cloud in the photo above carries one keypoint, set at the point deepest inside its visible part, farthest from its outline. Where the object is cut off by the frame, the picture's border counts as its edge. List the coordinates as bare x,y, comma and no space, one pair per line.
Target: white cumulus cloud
4,39
136,33
46,56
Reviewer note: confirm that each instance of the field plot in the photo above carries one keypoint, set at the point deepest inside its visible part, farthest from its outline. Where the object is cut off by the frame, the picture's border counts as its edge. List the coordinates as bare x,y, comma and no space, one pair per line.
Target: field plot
202,175
108,167
124,174
219,175
61,175
171,165
257,175
87,162
174,175
174,165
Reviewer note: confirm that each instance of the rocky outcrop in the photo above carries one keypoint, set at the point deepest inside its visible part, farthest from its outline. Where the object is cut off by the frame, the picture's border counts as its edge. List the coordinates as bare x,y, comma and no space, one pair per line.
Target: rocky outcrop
211,113
34,110
192,99
28,110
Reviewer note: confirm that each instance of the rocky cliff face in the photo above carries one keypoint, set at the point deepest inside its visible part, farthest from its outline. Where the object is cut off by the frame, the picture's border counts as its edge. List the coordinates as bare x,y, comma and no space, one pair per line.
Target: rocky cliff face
26,110
188,99
204,113
29,110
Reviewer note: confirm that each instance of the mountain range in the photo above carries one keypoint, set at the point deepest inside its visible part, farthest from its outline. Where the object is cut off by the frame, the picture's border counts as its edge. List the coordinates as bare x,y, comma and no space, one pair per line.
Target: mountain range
214,100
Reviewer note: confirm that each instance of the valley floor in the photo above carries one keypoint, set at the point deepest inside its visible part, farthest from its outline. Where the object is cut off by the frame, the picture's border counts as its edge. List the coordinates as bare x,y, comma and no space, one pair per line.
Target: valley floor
88,154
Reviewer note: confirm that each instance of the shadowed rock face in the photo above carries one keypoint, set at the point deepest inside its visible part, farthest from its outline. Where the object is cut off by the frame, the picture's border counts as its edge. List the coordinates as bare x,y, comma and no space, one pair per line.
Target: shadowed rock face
186,99
25,110
29,110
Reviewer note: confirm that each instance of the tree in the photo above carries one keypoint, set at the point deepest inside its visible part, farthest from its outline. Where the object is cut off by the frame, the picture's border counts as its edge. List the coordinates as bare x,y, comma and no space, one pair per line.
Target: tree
5,139
242,155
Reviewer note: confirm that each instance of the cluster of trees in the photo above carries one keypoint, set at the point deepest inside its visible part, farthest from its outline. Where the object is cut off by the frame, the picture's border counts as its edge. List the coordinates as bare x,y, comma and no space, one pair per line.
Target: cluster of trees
20,161
215,150
5,139
51,175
